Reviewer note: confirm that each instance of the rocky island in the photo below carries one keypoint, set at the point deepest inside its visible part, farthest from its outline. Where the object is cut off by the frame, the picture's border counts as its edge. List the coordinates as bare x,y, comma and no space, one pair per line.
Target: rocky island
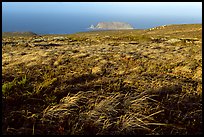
111,26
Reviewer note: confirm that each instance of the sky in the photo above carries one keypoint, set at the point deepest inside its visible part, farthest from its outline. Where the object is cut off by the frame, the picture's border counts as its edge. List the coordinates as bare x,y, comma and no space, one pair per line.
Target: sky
177,9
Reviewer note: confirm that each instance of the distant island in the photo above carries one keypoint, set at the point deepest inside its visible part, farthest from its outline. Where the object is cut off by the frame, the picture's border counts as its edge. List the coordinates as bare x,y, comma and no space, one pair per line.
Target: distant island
111,26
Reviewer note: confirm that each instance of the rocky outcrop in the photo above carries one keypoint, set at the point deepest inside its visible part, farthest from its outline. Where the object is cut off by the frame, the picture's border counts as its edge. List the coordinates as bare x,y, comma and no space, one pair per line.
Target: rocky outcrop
111,26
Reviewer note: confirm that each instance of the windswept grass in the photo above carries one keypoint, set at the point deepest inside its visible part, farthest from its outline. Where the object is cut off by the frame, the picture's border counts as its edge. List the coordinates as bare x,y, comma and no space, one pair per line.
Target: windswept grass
103,83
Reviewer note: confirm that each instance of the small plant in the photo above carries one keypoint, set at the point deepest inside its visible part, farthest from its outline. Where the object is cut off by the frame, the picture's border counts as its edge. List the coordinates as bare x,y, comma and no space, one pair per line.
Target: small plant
19,88
6,87
23,81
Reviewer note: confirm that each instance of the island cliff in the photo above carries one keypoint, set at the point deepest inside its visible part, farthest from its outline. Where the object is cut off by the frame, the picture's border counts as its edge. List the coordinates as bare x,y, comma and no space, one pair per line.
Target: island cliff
111,25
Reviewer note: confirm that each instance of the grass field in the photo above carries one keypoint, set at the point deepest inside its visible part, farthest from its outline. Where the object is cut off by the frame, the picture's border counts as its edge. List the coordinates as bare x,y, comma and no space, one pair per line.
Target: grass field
125,82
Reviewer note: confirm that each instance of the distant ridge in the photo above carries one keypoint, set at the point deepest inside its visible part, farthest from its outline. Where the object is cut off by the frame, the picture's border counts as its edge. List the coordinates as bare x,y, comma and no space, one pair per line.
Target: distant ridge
28,33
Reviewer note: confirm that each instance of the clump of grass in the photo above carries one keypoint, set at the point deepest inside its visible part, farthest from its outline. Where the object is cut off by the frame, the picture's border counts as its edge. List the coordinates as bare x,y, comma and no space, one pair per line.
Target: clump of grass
6,87
62,118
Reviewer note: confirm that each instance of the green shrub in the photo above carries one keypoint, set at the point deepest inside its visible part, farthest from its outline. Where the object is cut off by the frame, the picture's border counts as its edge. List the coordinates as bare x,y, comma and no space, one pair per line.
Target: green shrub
6,87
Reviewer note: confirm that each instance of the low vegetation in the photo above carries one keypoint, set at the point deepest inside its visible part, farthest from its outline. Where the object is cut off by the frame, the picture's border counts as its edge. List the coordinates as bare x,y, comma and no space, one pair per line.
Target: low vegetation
125,82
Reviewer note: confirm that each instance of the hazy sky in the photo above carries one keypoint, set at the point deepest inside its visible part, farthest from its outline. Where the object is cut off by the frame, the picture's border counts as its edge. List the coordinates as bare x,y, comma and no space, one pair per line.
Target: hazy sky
187,9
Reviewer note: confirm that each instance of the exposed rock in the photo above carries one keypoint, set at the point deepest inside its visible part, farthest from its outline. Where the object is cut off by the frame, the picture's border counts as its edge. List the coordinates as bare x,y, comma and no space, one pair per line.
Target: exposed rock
81,55
59,38
173,40
38,40
159,40
189,40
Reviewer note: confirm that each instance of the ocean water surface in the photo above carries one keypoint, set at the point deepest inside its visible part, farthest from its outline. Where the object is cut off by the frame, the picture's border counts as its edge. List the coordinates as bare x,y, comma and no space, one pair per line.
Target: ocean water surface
65,23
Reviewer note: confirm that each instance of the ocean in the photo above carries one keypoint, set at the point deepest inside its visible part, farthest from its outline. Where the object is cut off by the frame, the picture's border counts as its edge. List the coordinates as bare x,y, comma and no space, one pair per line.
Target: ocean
45,23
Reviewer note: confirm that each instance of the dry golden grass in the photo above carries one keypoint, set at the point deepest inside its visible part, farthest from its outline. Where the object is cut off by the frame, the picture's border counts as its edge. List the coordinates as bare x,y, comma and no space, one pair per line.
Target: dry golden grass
134,82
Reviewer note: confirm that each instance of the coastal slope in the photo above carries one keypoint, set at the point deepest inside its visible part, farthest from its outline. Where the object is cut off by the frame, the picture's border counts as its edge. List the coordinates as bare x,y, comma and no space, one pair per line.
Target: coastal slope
115,82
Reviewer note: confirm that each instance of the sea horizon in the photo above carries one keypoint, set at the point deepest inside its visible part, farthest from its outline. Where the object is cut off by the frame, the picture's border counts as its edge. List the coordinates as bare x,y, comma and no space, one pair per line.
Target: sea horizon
72,23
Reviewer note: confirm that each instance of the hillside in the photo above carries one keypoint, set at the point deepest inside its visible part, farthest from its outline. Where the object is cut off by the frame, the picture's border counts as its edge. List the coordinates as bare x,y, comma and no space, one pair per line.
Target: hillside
18,34
116,82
